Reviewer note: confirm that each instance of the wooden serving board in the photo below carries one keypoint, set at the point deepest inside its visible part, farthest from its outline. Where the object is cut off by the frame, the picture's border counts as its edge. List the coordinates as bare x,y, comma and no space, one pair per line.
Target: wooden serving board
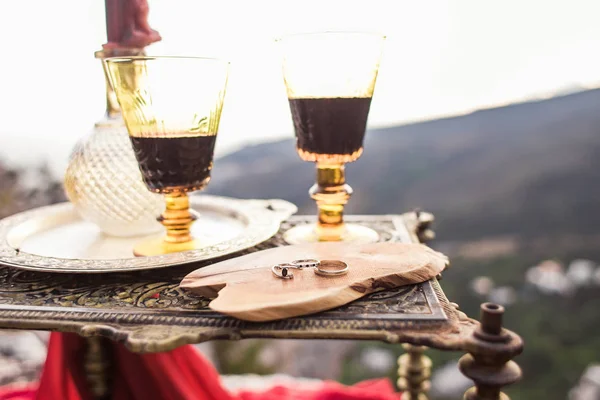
245,287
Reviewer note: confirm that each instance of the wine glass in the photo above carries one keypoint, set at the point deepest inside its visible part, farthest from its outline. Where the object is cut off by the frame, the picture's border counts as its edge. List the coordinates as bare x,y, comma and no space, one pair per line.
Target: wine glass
172,108
330,78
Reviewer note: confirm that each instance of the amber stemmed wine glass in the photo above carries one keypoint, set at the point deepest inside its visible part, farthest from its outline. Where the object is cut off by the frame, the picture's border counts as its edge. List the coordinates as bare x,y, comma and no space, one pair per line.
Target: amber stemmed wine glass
330,78
172,108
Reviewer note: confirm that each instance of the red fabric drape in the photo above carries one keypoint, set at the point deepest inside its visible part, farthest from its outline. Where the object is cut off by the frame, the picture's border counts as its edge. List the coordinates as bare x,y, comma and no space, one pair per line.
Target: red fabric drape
181,374
18,392
63,376
378,389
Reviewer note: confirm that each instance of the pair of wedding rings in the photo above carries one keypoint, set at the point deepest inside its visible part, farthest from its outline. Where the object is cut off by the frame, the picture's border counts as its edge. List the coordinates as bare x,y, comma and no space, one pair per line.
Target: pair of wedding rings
321,267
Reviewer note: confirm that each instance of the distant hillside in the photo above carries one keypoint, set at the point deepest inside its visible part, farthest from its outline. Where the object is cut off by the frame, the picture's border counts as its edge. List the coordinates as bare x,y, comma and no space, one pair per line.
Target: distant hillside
531,169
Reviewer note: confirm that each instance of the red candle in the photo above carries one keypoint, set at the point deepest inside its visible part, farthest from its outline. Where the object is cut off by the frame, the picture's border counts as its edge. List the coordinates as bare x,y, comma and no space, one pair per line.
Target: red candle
127,25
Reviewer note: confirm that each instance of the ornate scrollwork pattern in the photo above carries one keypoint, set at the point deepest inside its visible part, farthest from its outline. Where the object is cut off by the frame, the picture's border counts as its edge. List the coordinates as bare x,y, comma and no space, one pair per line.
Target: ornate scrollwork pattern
122,306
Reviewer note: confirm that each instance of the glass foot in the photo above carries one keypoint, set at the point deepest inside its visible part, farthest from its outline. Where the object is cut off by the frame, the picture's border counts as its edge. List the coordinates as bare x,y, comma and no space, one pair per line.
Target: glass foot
156,246
352,233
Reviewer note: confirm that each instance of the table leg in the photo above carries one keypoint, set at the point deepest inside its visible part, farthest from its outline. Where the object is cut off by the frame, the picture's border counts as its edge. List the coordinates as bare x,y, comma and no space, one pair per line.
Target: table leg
414,367
97,363
489,363
414,371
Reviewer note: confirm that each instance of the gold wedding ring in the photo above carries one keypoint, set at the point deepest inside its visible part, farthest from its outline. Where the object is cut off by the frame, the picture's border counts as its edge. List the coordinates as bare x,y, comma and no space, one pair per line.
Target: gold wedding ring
339,268
322,268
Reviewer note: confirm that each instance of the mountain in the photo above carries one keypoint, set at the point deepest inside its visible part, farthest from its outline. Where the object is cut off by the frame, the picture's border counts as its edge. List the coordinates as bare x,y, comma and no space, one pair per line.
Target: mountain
529,169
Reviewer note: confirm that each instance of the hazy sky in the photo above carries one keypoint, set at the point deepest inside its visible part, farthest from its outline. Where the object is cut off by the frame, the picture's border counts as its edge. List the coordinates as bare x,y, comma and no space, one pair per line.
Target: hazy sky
441,58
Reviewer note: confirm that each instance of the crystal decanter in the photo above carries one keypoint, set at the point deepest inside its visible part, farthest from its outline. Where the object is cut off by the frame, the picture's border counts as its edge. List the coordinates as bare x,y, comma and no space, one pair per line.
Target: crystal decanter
103,180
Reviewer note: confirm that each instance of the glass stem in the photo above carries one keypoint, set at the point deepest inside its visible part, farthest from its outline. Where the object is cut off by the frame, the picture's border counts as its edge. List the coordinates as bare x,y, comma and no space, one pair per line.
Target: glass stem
177,218
331,194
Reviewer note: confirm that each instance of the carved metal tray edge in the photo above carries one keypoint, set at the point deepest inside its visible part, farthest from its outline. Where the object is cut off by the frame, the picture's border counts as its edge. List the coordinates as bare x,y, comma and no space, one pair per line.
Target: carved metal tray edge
264,218
151,331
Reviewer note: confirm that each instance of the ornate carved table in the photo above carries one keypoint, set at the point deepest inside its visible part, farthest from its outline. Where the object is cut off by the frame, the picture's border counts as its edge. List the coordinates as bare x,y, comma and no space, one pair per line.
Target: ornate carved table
147,312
